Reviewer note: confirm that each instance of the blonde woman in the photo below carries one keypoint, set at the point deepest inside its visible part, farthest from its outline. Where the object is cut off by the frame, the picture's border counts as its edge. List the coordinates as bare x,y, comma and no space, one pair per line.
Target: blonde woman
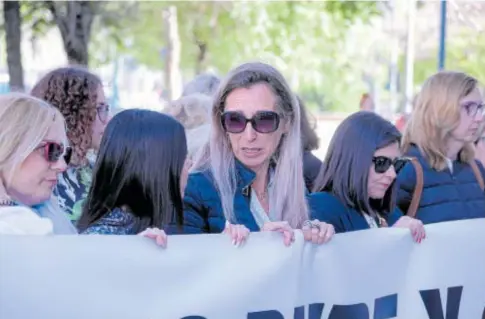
193,111
440,134
251,178
33,153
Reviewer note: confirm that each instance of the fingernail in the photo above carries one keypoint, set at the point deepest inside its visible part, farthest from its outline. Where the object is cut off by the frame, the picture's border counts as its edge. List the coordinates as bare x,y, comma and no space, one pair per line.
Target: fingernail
234,242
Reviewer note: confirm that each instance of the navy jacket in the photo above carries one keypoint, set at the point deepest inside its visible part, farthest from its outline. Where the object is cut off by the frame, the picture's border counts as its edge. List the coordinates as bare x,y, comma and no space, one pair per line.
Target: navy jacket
311,168
446,195
327,208
203,208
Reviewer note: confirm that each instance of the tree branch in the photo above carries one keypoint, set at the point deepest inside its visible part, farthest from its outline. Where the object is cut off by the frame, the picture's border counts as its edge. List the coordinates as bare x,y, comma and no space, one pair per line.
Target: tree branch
59,19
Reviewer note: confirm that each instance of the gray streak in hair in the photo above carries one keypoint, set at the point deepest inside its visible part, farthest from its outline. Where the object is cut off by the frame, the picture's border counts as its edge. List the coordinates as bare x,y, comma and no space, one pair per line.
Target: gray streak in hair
287,199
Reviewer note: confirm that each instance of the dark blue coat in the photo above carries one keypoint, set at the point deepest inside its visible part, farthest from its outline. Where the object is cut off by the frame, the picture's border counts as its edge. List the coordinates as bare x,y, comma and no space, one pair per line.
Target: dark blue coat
446,196
311,168
203,208
328,208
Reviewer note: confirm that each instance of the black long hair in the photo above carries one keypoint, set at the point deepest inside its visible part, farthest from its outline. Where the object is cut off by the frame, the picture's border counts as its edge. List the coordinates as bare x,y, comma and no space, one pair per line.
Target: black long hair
309,137
345,172
139,165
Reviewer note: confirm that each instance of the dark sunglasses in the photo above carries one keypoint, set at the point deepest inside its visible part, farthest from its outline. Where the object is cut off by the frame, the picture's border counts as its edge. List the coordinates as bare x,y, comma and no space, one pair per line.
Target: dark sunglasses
383,163
54,151
103,111
263,122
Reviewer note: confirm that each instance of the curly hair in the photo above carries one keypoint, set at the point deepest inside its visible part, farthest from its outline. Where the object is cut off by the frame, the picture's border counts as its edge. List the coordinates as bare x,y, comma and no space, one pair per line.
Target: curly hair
74,92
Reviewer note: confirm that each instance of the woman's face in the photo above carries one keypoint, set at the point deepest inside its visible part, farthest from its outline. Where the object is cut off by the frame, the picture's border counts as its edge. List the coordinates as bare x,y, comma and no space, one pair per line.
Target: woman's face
471,116
382,171
252,148
103,116
34,180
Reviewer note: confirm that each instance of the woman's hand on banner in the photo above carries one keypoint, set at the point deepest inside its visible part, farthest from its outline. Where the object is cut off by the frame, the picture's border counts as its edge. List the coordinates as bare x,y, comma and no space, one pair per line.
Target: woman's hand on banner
281,227
238,233
157,234
415,226
317,232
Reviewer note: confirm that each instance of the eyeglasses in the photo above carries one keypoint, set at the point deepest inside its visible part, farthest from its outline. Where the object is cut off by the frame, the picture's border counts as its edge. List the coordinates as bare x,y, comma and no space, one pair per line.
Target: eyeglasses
263,122
103,111
54,151
383,163
474,108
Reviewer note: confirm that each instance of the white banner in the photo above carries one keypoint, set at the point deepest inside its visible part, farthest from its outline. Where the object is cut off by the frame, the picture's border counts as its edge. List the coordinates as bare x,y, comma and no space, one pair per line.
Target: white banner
368,274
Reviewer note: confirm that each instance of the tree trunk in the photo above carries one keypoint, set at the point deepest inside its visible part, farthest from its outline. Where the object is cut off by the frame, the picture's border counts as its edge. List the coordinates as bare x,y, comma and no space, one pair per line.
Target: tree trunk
173,78
12,19
75,27
201,57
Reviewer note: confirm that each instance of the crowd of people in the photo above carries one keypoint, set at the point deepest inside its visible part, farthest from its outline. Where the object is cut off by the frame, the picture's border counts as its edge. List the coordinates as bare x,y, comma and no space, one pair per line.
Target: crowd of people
234,155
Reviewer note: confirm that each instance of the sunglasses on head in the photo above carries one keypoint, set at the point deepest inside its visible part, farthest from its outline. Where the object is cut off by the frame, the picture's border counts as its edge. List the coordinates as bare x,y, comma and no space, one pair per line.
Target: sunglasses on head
54,151
262,122
383,163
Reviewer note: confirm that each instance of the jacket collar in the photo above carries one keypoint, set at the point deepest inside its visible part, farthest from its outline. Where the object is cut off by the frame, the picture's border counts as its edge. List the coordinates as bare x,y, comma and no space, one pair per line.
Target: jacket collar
245,176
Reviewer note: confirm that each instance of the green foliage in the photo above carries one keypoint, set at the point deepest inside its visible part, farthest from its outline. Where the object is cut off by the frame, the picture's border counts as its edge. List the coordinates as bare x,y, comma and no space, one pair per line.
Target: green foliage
110,24
350,10
36,17
465,53
108,37
304,39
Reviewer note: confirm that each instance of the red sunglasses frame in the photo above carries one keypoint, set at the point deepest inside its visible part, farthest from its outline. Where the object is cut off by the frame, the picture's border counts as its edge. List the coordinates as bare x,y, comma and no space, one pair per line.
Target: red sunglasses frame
66,152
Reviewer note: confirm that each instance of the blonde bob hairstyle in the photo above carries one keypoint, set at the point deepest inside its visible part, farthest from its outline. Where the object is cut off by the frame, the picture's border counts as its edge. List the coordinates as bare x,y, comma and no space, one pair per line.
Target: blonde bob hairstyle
287,197
24,121
436,114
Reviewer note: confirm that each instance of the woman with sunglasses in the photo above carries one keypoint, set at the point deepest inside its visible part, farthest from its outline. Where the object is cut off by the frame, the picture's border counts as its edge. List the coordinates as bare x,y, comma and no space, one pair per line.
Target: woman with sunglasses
79,96
251,174
355,188
444,124
33,153
137,183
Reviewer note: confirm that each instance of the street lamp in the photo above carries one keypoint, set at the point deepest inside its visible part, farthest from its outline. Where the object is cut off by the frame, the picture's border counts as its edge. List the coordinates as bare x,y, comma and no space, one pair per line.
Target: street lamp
442,48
